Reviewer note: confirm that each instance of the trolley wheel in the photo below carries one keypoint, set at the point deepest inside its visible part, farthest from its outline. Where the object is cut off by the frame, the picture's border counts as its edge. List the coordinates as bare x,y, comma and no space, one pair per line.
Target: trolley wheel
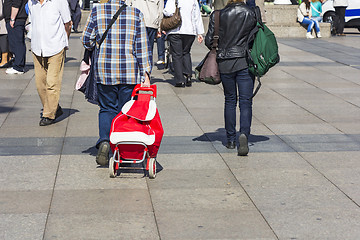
112,168
152,168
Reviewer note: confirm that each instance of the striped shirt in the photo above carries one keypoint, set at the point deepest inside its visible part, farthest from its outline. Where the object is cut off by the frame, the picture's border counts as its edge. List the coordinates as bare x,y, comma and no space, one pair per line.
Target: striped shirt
124,56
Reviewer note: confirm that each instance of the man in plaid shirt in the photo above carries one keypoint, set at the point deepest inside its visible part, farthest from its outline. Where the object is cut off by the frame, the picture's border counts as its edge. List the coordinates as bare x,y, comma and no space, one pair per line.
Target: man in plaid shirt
124,60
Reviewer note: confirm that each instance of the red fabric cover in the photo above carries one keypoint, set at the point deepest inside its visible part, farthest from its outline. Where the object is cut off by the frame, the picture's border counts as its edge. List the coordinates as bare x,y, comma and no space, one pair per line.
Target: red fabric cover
140,107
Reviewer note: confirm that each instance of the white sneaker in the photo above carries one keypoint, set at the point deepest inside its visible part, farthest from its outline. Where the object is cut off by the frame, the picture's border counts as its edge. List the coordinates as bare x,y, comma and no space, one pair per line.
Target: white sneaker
13,71
160,62
318,35
308,35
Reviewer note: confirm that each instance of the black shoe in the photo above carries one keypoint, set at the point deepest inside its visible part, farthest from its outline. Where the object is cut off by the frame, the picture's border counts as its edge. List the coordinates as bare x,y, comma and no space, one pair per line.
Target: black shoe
102,157
46,121
243,147
59,112
231,145
180,84
188,81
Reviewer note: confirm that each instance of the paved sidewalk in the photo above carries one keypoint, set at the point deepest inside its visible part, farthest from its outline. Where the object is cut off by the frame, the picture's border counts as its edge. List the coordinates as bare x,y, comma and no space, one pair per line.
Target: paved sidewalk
300,181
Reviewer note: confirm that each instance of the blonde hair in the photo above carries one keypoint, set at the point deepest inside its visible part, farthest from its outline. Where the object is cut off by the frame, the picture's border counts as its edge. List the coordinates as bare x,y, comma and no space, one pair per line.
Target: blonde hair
235,1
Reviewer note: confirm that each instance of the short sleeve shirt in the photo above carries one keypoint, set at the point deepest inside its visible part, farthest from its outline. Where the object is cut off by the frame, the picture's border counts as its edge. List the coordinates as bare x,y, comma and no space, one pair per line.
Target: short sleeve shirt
48,35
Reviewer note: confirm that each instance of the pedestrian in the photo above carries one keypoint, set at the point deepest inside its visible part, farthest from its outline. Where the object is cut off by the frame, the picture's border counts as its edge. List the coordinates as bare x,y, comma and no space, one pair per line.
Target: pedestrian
340,8
75,14
51,27
160,43
304,16
4,43
15,17
237,81
152,11
182,38
316,10
123,61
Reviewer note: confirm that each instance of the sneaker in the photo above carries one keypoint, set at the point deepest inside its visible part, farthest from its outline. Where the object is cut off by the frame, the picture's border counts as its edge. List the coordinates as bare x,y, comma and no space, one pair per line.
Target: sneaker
243,145
309,36
13,71
160,62
318,35
46,121
102,157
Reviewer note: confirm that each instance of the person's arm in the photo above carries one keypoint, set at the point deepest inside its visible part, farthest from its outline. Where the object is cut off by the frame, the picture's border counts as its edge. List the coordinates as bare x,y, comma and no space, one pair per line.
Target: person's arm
142,52
210,32
68,28
14,12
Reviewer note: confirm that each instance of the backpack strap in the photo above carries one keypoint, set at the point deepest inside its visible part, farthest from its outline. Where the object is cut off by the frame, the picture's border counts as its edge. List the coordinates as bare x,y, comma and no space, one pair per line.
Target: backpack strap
252,35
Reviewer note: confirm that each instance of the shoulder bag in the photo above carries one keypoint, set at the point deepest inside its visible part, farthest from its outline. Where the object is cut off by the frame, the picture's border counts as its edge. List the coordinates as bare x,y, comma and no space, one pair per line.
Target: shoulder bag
172,22
208,67
89,87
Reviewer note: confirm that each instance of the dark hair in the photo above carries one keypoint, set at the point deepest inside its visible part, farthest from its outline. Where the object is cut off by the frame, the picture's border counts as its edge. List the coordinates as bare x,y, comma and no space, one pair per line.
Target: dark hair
307,3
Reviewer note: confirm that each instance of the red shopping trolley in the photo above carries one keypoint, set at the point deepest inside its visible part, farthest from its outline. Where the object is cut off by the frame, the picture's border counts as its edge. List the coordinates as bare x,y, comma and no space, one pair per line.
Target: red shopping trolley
136,132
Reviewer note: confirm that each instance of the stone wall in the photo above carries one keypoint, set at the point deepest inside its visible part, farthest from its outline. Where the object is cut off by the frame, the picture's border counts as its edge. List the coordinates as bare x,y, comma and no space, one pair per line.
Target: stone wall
281,19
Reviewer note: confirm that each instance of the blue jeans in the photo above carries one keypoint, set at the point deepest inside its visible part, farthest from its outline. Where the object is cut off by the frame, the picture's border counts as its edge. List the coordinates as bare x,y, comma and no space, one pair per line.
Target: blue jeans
311,23
161,47
151,33
111,99
237,85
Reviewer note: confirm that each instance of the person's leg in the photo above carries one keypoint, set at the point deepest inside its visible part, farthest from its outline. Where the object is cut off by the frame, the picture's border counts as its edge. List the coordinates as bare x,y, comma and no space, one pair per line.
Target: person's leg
108,103
151,32
40,78
55,69
17,45
161,47
77,18
124,94
245,83
187,41
316,25
308,22
340,12
229,86
177,56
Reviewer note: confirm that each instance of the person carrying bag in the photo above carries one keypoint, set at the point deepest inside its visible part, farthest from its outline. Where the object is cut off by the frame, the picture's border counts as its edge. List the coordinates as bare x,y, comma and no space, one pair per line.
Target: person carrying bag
237,81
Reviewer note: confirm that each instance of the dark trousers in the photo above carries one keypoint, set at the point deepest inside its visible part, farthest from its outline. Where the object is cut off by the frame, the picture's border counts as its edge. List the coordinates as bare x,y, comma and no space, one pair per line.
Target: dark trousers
237,86
111,99
161,47
76,17
17,47
151,33
340,12
180,46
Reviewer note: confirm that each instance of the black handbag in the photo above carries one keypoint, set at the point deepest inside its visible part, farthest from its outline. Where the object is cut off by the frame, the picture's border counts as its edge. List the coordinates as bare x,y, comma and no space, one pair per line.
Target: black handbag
89,88
208,68
172,22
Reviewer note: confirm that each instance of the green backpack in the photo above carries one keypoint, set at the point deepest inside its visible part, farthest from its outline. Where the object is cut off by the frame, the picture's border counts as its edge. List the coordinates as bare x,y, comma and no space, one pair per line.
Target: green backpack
262,49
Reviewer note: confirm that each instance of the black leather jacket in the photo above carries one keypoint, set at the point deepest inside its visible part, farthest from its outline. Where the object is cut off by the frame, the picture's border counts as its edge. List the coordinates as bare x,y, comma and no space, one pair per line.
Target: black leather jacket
236,22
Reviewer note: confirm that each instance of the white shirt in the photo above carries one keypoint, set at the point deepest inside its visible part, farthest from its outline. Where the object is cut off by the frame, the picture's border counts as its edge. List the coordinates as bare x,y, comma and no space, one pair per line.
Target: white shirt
48,36
191,21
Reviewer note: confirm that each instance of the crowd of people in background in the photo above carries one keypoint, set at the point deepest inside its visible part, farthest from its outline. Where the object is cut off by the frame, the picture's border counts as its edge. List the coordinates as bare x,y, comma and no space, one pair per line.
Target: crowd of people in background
127,58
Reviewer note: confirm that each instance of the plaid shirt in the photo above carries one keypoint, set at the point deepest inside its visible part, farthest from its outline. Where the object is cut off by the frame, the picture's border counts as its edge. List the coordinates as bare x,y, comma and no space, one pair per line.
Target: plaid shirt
125,54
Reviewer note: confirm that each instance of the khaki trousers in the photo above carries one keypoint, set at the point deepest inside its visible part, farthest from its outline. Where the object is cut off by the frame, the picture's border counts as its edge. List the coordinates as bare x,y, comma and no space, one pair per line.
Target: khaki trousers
48,77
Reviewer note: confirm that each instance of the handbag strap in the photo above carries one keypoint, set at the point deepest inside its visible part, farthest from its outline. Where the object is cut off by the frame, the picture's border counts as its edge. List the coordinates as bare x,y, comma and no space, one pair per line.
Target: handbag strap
216,30
112,22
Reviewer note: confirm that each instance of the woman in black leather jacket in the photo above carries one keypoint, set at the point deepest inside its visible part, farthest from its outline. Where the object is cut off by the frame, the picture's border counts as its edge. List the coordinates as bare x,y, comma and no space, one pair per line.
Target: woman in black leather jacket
236,22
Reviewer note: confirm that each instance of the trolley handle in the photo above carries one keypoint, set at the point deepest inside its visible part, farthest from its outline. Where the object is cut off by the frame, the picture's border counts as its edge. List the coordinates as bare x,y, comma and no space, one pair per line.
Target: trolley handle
138,87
